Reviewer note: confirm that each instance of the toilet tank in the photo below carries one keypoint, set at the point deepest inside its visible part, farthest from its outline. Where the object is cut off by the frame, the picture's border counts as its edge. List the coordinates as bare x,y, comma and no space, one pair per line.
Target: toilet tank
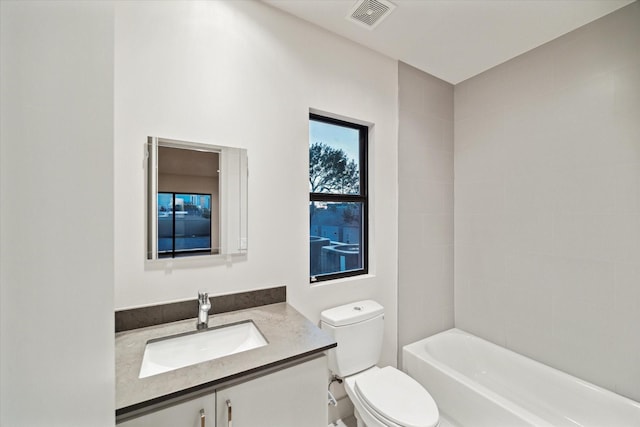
358,329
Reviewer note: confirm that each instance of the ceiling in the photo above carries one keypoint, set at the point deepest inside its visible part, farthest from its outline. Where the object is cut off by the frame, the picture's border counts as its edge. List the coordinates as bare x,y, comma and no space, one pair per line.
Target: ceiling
456,39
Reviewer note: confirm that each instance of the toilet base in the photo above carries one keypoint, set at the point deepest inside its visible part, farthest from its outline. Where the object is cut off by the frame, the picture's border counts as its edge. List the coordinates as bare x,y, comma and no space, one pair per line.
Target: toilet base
359,421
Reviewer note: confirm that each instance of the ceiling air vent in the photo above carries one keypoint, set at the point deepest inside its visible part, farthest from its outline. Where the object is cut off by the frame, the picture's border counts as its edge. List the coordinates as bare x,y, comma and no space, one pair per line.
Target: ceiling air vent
370,13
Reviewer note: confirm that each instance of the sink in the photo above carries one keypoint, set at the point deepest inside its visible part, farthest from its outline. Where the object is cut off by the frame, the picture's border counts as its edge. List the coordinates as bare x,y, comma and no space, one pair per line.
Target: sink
177,351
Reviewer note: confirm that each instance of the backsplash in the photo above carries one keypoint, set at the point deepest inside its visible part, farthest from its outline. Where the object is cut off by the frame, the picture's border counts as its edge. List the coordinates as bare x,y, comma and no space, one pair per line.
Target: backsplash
172,312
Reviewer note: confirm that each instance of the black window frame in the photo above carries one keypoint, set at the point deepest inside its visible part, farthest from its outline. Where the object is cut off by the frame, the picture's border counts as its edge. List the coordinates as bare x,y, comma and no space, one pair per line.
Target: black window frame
362,197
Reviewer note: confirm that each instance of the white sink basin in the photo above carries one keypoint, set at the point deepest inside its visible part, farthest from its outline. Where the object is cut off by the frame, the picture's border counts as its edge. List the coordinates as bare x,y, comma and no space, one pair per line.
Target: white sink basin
166,354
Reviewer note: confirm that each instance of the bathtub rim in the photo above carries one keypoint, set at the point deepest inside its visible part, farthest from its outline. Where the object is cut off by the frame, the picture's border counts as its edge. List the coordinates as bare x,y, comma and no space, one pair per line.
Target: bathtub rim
418,350
465,381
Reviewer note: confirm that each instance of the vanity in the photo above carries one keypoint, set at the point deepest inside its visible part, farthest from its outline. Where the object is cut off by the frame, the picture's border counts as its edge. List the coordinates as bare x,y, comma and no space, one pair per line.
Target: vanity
250,359
282,383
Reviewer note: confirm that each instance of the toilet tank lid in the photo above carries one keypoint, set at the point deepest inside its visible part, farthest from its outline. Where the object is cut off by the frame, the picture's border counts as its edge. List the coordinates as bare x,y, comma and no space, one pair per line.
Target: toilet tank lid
351,313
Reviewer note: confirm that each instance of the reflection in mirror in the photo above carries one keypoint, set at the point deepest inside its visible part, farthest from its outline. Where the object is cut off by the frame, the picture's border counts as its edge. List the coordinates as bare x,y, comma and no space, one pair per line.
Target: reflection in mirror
196,199
187,202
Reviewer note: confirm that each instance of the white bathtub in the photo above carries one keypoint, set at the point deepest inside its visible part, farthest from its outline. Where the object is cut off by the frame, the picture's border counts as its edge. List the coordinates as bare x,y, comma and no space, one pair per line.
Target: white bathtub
476,383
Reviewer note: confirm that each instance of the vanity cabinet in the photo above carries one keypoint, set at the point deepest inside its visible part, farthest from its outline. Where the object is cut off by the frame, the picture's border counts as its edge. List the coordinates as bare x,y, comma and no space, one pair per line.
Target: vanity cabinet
292,397
184,414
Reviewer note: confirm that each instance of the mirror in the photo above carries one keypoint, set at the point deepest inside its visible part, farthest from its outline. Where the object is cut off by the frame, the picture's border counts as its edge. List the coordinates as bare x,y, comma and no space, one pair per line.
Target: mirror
196,199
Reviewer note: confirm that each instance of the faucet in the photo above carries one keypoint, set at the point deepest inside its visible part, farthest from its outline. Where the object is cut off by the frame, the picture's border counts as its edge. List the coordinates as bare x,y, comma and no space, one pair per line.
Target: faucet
204,305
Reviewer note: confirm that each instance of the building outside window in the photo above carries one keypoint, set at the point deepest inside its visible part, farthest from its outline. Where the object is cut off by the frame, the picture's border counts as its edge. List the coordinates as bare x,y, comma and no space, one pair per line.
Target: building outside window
337,198
184,224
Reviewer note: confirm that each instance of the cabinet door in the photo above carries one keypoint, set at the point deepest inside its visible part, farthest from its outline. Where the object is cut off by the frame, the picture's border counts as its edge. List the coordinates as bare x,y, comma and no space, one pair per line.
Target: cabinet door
185,414
292,397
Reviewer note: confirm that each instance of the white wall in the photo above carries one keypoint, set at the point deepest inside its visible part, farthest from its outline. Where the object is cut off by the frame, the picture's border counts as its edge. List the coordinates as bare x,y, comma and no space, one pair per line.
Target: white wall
425,205
547,203
243,74
56,214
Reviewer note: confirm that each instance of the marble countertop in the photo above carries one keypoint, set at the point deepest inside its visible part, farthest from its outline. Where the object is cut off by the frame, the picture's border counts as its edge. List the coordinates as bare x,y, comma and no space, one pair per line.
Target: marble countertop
290,336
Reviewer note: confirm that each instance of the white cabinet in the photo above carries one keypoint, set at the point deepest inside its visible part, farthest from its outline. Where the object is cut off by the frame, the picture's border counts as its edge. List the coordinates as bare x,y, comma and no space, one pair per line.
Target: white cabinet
295,396
292,397
185,414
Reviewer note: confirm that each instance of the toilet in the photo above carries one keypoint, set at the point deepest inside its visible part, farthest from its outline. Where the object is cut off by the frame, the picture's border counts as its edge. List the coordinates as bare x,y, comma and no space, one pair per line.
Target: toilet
382,397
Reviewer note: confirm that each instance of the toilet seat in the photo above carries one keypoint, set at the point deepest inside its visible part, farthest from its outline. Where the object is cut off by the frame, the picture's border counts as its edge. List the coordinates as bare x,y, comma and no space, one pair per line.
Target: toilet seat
396,399
374,414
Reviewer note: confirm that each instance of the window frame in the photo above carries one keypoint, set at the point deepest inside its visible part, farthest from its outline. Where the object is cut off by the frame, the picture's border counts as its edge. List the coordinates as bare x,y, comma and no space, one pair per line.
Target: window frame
179,253
362,197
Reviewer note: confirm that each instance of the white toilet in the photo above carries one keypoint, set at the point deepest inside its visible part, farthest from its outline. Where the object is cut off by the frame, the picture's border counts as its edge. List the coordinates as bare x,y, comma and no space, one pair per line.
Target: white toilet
382,397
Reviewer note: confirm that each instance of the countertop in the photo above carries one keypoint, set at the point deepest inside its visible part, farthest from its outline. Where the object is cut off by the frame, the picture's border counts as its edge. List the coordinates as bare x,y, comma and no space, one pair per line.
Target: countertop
290,336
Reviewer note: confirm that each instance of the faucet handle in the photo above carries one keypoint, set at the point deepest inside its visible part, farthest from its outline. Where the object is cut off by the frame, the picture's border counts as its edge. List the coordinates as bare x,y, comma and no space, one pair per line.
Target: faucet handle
204,301
204,306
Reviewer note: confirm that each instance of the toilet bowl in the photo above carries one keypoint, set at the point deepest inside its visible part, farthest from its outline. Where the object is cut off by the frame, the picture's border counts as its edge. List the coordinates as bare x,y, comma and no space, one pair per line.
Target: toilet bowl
387,397
382,397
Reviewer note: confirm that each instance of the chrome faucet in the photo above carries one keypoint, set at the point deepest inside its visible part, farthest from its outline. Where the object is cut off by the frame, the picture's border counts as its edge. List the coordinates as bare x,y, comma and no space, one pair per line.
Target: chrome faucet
204,305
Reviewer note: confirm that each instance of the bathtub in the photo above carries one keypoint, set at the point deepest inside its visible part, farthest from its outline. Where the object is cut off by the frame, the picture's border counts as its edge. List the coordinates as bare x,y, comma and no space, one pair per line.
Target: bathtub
476,383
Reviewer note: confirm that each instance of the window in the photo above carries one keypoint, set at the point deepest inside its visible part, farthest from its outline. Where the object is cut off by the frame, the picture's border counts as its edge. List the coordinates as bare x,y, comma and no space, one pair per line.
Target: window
184,224
337,198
